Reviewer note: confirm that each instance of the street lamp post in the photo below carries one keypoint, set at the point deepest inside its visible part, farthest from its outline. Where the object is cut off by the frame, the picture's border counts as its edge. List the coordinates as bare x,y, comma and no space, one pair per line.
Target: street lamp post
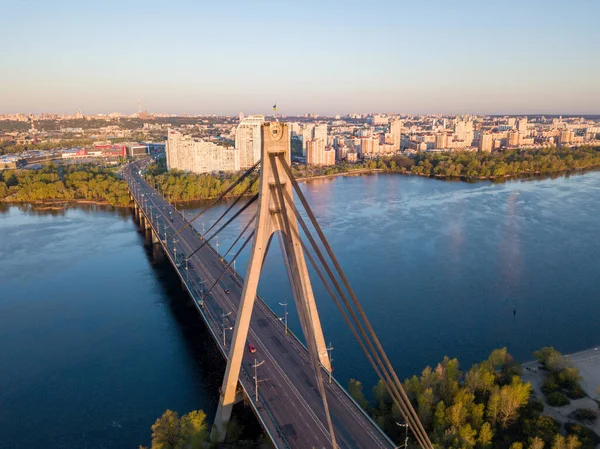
285,316
223,315
256,365
405,445
329,351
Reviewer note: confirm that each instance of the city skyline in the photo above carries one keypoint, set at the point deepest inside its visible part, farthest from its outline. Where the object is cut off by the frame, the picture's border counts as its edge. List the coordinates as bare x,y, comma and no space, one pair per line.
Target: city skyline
344,57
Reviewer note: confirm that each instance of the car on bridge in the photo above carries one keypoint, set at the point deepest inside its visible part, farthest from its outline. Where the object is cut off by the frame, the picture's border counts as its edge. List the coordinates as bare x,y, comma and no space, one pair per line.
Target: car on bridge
251,348
227,291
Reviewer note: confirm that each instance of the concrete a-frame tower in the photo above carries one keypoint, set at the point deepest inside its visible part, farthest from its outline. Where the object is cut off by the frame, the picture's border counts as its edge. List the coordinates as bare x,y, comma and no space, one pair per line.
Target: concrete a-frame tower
273,215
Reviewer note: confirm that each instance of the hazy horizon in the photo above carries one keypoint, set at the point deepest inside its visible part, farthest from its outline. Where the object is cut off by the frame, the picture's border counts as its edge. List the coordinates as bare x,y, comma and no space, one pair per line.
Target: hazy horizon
325,58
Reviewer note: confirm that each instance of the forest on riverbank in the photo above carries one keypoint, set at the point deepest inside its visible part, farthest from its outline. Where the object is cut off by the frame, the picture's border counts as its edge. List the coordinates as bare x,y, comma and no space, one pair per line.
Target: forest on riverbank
467,165
488,406
77,182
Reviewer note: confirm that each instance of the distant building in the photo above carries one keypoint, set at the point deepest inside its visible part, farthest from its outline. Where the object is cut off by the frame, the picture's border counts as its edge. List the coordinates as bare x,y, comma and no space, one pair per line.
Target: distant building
307,134
320,132
315,152
486,143
396,132
463,131
441,141
248,140
135,149
522,126
369,146
198,156
513,139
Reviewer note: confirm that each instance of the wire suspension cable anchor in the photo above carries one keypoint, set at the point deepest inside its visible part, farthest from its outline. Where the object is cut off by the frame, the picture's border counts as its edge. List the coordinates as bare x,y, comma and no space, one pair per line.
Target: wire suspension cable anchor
222,195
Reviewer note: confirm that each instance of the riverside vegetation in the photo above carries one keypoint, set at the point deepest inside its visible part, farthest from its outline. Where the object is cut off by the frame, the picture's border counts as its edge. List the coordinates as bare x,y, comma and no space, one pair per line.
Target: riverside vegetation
468,165
487,407
92,183
82,182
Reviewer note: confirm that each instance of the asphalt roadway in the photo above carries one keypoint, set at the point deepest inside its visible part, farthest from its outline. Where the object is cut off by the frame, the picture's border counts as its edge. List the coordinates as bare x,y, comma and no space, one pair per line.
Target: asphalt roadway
289,405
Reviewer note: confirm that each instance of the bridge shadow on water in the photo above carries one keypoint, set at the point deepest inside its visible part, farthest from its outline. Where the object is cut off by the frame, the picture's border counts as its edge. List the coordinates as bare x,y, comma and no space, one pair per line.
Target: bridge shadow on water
203,351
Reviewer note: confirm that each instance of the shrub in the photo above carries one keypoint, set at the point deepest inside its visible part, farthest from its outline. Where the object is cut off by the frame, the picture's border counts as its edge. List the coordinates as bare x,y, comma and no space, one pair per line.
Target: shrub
589,438
575,392
584,414
557,399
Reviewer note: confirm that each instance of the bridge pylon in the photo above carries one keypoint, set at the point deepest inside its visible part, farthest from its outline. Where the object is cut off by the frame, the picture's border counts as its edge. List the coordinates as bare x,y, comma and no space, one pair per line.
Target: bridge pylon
273,216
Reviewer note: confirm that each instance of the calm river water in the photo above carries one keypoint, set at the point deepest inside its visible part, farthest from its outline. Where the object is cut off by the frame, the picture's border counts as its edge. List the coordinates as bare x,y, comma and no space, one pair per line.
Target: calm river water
97,338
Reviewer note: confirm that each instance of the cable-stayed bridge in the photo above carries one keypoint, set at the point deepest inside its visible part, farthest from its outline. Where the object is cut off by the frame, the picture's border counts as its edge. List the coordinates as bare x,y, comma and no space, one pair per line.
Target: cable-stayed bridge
289,386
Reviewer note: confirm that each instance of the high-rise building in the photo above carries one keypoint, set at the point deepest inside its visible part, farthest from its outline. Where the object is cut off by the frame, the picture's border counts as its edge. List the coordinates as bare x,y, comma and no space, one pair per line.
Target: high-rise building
320,132
307,134
486,142
522,126
464,132
513,139
315,153
369,146
396,132
441,141
198,156
248,140
329,156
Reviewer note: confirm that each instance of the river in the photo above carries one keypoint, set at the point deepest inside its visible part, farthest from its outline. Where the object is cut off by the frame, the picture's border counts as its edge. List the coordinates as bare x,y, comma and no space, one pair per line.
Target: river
97,338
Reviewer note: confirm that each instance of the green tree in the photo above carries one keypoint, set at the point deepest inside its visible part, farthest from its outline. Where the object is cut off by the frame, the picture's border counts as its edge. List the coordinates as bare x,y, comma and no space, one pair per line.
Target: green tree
486,434
355,389
167,432
536,443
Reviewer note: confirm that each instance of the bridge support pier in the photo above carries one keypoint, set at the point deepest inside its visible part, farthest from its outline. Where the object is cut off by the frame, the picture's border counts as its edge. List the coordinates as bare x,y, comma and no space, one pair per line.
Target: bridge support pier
272,216
155,239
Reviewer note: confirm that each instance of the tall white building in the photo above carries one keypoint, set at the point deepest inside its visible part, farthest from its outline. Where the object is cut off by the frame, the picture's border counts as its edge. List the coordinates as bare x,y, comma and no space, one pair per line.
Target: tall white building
248,140
198,156
320,132
396,132
464,132
307,134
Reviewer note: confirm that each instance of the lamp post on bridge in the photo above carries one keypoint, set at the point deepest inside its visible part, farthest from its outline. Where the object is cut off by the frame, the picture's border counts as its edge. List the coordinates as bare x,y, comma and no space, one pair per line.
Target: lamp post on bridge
223,315
231,252
175,241
405,445
285,316
255,366
329,351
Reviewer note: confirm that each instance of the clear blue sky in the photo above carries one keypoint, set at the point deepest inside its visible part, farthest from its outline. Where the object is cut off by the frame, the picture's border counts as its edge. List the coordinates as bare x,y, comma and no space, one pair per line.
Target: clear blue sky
327,57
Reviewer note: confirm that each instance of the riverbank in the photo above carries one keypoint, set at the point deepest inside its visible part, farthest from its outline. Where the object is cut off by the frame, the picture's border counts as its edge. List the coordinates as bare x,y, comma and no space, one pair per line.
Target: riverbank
61,204
588,364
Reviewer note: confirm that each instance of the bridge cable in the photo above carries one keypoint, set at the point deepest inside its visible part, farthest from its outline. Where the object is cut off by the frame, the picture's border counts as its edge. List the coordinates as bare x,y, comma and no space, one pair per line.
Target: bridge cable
242,233
231,206
380,353
311,337
229,264
417,426
221,196
237,214
386,365
387,380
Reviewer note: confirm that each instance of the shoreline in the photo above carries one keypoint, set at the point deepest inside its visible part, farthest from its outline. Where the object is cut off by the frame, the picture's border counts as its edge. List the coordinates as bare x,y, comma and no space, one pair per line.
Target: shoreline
52,204
61,204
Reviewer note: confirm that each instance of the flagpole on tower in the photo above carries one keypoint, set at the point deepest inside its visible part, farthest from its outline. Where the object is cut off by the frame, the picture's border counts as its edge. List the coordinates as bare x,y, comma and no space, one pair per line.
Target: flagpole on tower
275,112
